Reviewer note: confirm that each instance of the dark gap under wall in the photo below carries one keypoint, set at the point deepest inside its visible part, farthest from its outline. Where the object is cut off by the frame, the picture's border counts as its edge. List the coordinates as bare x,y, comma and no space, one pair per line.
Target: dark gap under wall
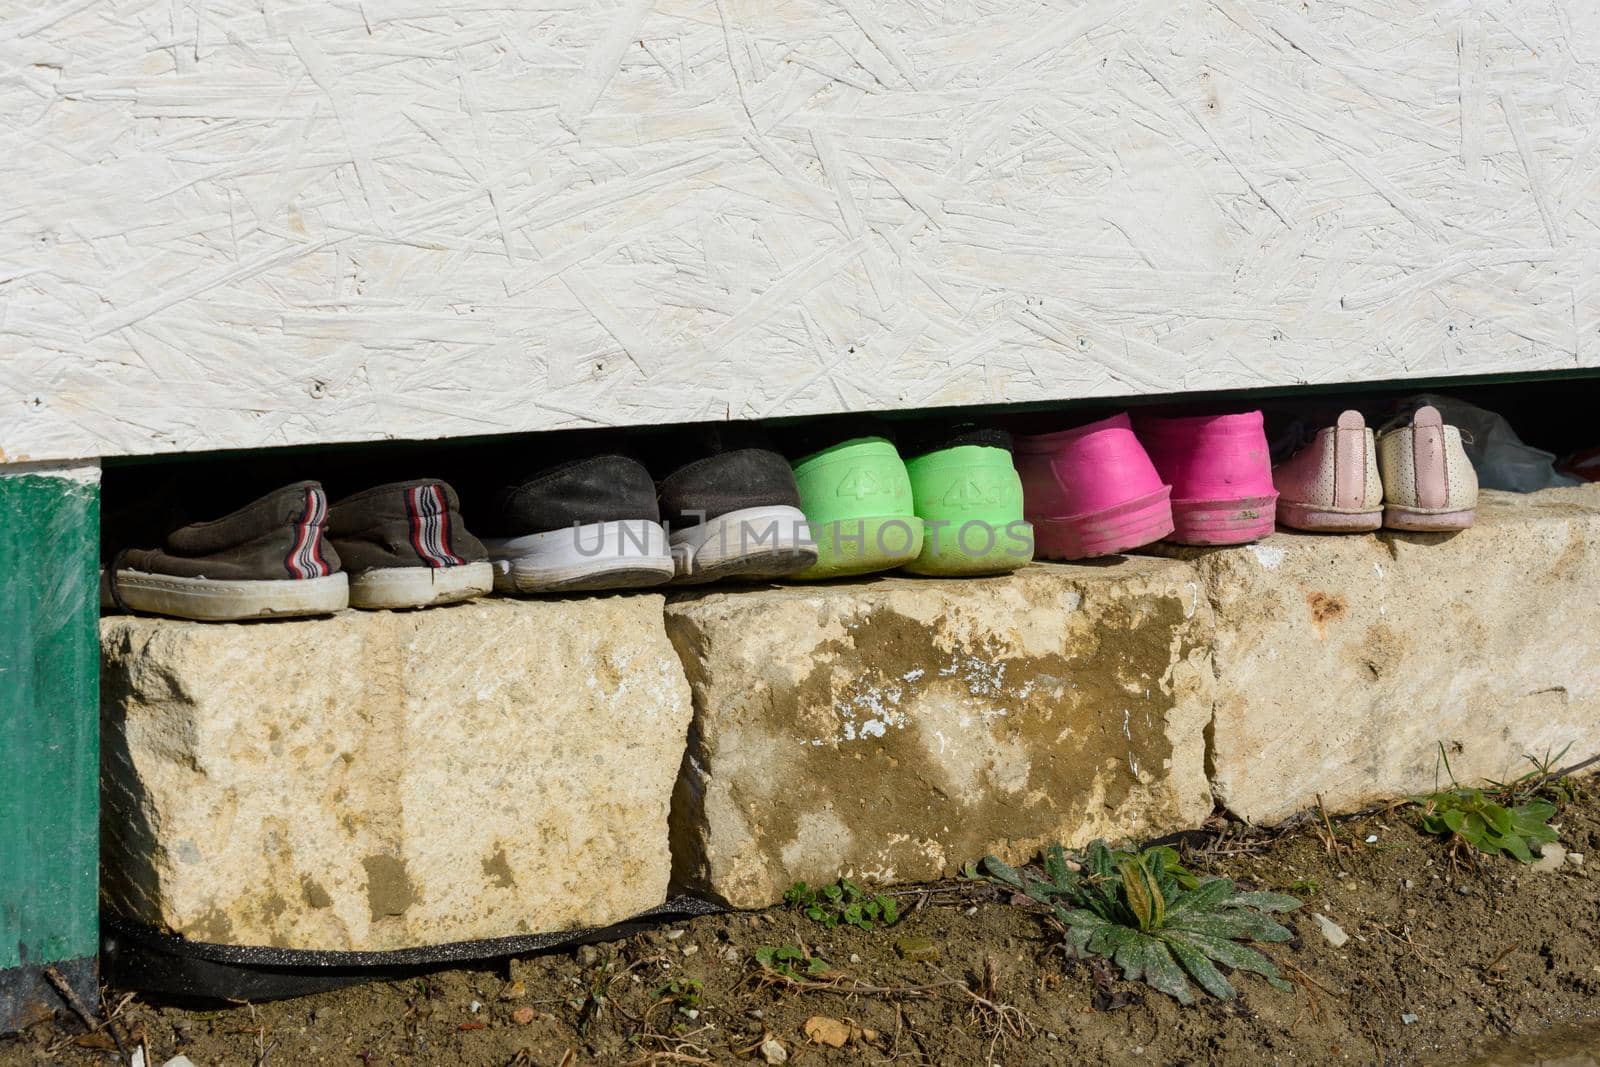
144,497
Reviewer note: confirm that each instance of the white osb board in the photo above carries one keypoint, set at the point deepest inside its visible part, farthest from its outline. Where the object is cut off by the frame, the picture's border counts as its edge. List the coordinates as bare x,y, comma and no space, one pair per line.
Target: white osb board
244,223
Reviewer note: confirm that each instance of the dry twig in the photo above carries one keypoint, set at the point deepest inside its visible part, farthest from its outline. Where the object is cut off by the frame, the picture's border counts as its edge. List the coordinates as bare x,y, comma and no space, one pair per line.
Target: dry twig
58,981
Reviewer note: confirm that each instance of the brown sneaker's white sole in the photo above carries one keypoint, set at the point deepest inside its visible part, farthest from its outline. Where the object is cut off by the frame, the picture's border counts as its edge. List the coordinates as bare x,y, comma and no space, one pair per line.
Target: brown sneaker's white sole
217,600
419,587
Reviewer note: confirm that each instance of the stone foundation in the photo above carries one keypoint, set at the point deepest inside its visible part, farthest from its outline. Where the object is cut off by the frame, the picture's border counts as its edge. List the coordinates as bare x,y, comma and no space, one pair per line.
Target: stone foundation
1346,664
380,780
895,729
376,780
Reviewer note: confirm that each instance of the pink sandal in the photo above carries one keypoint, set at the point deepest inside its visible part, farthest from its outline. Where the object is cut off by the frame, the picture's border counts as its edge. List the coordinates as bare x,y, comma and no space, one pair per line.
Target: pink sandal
1428,481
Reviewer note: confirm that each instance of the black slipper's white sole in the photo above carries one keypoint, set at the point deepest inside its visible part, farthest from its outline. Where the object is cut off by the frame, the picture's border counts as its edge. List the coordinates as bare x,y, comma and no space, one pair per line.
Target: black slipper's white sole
750,543
622,554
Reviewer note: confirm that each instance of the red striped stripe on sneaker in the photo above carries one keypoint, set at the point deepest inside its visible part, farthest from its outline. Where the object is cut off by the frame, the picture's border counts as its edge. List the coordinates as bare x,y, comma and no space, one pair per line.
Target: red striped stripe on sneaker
430,526
305,559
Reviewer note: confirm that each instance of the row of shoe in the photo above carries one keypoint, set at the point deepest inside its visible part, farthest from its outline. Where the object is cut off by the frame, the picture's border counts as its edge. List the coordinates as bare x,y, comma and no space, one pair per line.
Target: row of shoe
1121,483
596,522
290,553
968,501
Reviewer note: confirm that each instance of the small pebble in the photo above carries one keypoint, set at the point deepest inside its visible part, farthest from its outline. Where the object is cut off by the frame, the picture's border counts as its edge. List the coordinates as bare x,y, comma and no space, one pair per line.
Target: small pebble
514,990
691,1013
1463,890
972,910
855,957
588,955
473,1007
773,1051
1408,1018
826,1030
522,1016
1372,839
1575,858
1551,858
1410,884
690,950
673,935
1331,930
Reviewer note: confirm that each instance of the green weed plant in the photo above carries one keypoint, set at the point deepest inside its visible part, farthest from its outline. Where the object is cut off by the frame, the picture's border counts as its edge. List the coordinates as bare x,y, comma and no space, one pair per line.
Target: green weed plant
1153,918
790,962
843,902
1508,818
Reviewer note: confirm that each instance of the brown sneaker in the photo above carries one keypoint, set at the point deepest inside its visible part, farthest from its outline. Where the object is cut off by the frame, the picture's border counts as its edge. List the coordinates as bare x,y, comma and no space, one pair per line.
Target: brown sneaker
269,558
404,546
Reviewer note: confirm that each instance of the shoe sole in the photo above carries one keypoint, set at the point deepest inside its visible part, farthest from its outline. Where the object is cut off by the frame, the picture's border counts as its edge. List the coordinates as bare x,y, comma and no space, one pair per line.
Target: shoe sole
1396,517
1223,522
219,600
751,543
1131,524
1322,520
874,544
391,588
950,559
622,554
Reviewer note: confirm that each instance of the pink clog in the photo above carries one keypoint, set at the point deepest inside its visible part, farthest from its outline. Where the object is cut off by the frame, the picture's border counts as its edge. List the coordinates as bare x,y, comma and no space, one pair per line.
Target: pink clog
1091,491
1220,472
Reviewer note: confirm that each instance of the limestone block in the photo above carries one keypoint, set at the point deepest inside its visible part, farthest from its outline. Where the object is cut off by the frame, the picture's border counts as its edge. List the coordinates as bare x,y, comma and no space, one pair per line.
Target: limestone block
374,781
1345,662
898,728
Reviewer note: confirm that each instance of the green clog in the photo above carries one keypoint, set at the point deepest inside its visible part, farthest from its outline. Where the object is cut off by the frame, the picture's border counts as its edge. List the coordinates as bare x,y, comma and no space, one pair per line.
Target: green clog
969,498
857,499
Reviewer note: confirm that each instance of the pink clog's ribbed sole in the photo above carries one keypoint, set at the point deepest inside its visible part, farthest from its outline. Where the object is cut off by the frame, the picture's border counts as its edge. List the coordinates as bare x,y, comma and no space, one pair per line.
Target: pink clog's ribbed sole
1223,522
1136,522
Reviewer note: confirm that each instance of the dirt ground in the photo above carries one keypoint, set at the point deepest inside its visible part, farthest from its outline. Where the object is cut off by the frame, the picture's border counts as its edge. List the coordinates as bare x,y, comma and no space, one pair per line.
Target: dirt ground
1496,966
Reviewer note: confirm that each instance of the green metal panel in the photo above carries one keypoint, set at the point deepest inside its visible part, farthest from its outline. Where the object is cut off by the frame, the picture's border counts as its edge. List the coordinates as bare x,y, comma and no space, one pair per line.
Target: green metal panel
49,738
